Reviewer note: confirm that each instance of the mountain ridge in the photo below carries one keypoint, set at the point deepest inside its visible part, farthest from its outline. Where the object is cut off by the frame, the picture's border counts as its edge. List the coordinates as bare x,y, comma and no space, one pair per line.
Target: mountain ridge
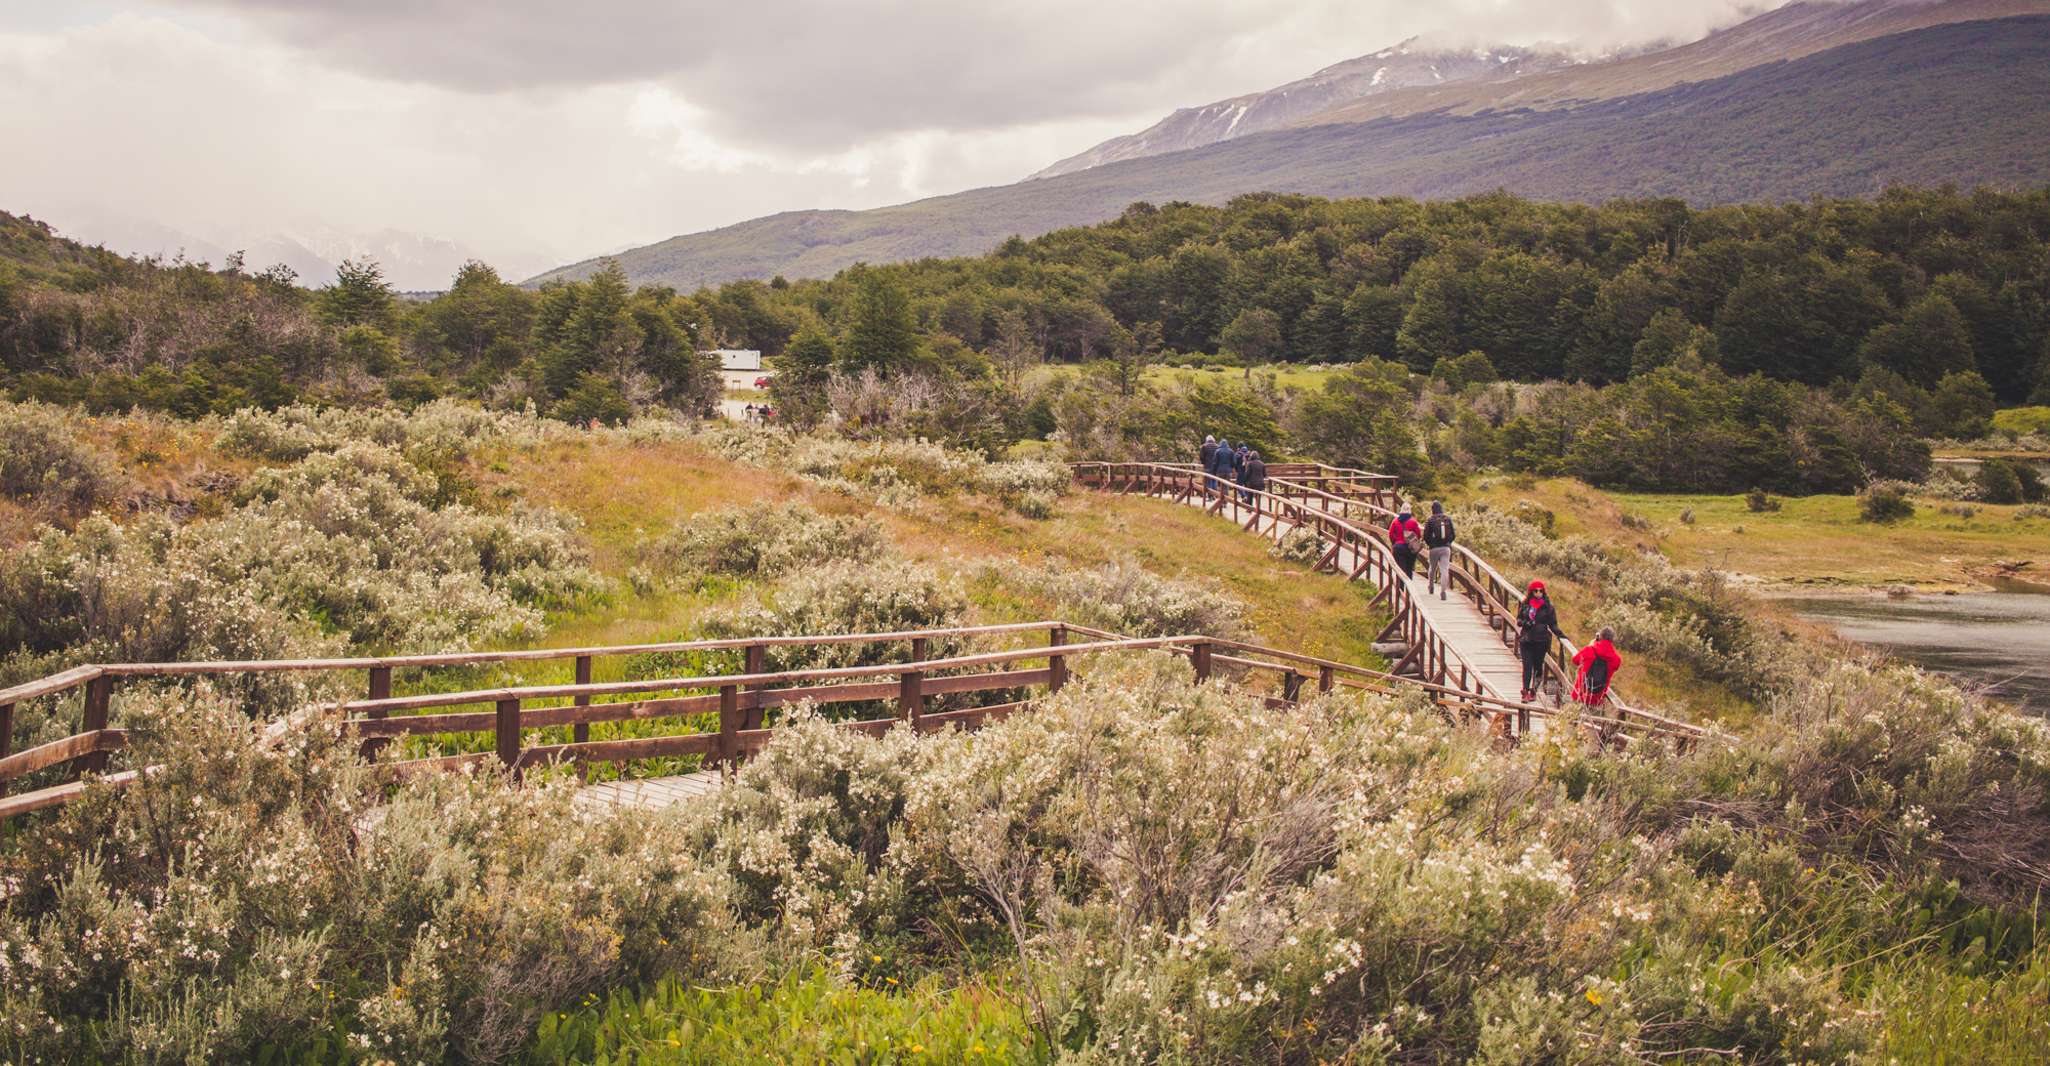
1406,65
1961,102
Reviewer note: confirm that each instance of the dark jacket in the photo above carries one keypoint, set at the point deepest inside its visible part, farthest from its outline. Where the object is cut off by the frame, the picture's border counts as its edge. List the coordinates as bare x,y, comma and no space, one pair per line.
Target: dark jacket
1255,476
1438,531
1535,628
1209,455
1227,463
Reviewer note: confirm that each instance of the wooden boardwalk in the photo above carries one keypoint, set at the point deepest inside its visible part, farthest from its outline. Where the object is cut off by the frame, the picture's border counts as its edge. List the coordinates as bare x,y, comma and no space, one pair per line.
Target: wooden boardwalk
650,793
1460,641
1453,650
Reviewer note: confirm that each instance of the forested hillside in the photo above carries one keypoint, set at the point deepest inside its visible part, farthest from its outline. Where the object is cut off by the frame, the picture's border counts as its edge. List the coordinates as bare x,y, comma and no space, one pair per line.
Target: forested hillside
1962,103
84,326
1919,283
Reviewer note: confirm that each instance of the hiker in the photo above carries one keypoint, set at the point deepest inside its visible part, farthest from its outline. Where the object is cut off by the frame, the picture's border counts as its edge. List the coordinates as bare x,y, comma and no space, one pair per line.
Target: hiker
1403,537
1208,461
1254,477
1598,664
1226,467
1536,624
1438,537
750,416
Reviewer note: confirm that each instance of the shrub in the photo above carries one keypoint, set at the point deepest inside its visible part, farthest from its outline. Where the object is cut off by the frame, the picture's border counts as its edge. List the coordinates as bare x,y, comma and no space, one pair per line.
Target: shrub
46,457
764,539
1885,502
1299,545
1124,597
1998,482
246,906
1757,502
849,597
345,548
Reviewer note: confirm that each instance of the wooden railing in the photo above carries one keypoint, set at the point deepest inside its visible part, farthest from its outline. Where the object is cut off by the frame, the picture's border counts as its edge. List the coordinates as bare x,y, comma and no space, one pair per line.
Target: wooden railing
1434,659
739,700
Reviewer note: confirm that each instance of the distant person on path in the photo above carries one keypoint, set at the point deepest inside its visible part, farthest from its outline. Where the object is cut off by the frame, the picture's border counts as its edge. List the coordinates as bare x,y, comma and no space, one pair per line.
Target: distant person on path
1208,461
1254,477
1598,664
1438,536
1403,537
1226,467
1536,624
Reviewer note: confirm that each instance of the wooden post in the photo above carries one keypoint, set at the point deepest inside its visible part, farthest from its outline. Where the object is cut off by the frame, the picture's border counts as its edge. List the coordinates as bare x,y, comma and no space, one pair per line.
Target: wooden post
1202,661
380,689
1057,664
6,736
99,694
729,727
755,662
1292,686
1324,679
509,734
911,686
581,732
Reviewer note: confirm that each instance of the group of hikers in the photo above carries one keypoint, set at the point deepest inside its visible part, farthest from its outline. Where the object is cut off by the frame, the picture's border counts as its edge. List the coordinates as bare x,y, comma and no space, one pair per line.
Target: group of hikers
1537,621
1431,540
1240,465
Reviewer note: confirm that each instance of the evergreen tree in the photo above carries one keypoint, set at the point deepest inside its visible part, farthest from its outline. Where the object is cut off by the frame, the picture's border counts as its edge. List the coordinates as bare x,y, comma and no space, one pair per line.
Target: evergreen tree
882,335
359,296
1928,342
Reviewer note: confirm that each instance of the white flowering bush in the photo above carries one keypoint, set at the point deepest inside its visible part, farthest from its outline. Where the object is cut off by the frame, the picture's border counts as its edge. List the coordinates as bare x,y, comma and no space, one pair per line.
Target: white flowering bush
347,544
849,597
763,539
895,472
47,456
238,899
1126,598
1301,545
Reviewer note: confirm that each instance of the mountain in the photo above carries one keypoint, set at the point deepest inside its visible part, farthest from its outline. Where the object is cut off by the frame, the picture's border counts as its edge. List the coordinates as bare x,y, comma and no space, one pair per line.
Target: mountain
1965,103
1407,65
1789,32
410,261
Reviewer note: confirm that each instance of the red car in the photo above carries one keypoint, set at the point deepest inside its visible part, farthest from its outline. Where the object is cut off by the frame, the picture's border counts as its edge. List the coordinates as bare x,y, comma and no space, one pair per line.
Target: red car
762,382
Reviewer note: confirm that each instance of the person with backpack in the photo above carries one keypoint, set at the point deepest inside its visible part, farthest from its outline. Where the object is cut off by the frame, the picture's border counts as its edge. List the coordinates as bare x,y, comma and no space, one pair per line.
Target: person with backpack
1403,537
1598,664
1222,468
1536,624
1438,537
1207,458
1254,477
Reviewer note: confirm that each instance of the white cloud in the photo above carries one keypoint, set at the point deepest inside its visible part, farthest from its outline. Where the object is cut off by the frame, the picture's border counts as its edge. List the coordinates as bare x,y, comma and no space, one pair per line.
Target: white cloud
535,132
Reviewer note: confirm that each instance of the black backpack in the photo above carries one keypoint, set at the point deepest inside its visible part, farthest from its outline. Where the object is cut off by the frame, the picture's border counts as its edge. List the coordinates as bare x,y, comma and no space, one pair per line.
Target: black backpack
1598,675
1438,531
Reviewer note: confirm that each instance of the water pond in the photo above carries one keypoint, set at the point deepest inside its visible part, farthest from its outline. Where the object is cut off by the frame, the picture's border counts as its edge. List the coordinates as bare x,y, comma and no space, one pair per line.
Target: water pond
1995,638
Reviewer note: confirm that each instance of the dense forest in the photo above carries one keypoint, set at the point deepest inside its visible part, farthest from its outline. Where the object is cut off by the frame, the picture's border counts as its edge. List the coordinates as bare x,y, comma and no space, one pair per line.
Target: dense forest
1797,348
1916,281
85,327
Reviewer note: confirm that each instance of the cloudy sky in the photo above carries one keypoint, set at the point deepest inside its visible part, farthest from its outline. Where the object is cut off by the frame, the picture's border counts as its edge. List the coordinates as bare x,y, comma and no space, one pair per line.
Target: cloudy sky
534,132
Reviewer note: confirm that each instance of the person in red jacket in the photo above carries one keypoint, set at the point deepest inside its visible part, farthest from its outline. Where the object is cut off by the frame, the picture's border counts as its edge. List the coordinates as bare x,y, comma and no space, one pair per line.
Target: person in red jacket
1598,664
1404,537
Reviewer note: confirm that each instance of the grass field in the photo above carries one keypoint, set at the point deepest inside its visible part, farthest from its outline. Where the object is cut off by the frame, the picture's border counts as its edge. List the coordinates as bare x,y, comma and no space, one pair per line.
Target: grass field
1284,375
1813,540
2022,420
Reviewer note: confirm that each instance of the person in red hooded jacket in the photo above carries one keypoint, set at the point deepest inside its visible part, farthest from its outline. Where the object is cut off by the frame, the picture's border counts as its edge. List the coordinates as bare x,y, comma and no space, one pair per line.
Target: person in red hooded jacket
1404,537
1598,663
